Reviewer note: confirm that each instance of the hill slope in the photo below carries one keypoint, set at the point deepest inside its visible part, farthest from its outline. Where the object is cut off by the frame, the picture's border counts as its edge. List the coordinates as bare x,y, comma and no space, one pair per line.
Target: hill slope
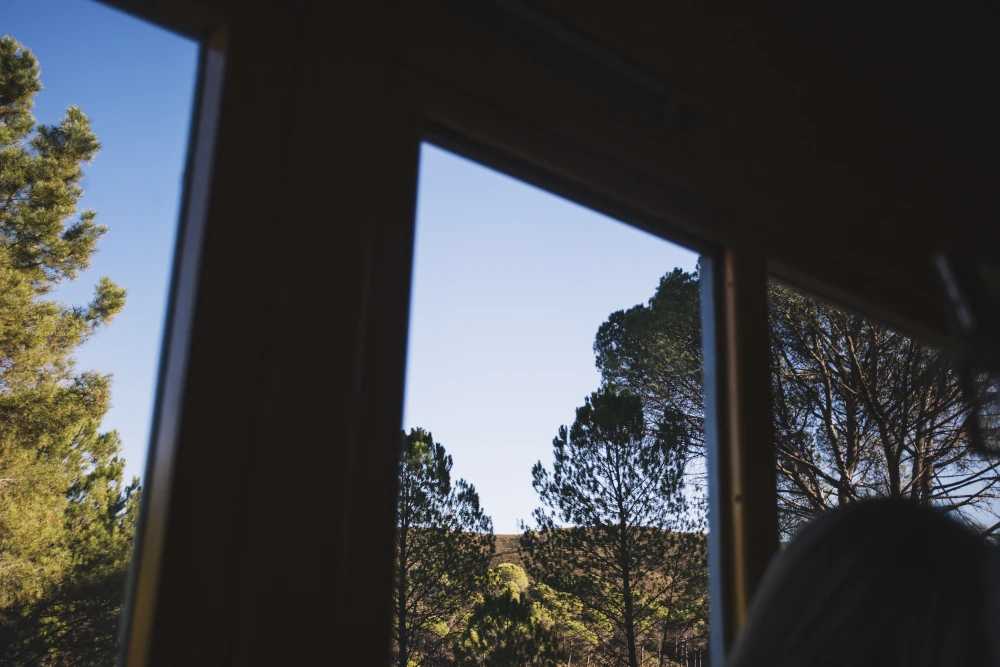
507,550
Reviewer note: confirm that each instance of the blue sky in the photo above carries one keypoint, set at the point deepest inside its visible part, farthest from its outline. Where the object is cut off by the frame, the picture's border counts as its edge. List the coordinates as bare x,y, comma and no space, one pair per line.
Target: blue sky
510,285
136,83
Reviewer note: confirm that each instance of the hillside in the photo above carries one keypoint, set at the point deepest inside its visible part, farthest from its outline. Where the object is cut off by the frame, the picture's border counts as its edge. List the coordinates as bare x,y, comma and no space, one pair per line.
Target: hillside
507,550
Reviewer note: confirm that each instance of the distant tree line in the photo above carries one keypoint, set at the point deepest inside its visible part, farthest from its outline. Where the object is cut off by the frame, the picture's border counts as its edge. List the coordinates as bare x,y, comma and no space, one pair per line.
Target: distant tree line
625,584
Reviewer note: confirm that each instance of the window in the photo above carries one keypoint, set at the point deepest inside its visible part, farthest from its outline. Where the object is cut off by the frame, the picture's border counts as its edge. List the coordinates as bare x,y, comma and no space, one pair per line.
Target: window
861,412
552,488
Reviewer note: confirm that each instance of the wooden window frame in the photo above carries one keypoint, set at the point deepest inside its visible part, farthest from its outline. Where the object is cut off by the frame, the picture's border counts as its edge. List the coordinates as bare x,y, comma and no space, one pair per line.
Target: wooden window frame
246,558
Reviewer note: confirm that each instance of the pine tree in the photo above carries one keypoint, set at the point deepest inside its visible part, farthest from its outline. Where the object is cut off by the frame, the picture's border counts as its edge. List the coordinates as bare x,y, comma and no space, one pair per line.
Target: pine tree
613,507
75,622
506,627
444,542
65,517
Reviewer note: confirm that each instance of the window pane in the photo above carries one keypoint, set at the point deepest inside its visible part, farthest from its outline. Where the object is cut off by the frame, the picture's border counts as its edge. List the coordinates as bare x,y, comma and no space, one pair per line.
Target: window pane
861,412
93,135
552,484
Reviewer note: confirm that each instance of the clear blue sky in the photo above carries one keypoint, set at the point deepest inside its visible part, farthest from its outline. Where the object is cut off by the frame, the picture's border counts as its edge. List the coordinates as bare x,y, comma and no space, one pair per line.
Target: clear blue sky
136,83
510,285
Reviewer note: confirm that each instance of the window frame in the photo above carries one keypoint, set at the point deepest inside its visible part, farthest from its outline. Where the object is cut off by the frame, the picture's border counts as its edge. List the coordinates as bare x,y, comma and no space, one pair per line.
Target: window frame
237,573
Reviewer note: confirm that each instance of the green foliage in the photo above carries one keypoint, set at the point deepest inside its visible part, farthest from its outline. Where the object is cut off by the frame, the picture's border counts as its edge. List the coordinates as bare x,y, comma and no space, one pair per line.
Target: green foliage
506,627
653,351
613,506
66,520
75,621
444,542
564,614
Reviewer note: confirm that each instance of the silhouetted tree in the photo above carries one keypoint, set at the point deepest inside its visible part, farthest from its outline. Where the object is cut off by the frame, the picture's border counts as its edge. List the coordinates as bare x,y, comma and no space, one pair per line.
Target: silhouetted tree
611,507
444,543
859,410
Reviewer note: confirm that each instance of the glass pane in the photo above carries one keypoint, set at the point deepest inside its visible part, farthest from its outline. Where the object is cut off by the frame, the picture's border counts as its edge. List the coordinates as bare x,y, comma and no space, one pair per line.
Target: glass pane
552,484
862,412
94,114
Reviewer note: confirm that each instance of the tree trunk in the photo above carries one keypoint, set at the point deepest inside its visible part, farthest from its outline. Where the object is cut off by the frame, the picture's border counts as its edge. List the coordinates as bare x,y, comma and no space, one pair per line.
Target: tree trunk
627,596
403,656
664,644
892,463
